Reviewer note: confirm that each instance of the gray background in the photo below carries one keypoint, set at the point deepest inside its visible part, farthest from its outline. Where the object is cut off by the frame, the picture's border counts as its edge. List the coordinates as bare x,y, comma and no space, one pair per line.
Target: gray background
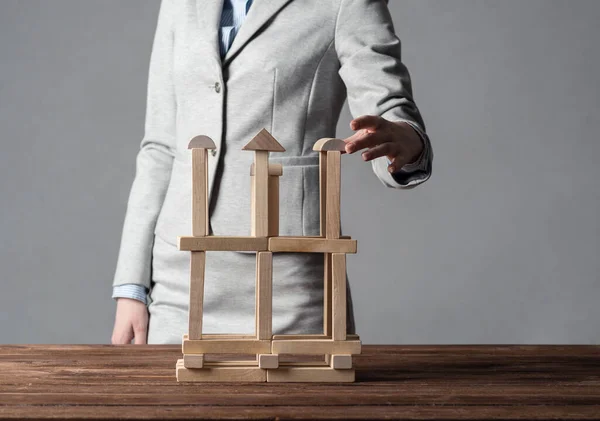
501,245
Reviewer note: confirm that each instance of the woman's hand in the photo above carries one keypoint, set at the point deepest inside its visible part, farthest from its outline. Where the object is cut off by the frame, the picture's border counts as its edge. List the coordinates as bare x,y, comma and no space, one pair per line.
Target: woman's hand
131,322
399,141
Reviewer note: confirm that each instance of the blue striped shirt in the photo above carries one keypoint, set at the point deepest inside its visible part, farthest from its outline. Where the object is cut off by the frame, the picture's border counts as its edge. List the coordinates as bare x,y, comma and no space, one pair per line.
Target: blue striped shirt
233,15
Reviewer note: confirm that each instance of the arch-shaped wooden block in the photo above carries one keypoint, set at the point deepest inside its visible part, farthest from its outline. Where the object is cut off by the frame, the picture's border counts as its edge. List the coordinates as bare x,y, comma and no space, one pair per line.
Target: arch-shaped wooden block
330,144
201,142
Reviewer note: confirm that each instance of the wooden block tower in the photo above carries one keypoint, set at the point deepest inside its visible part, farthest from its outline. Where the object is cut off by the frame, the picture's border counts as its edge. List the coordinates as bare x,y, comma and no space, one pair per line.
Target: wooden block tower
260,357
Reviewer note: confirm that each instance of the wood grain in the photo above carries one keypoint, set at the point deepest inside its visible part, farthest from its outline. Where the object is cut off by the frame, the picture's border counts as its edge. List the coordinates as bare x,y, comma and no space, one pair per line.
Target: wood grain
417,382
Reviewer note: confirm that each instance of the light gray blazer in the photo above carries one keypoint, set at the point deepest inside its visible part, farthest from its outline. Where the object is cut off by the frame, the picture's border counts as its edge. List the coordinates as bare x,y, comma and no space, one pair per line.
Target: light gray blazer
289,70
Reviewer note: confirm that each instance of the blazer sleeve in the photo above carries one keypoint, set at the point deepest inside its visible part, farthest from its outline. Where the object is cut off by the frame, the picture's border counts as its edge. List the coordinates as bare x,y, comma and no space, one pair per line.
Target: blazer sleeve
154,160
377,81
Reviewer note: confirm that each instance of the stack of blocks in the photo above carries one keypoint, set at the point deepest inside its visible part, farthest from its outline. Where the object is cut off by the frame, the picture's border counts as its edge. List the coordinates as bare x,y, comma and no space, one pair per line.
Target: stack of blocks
331,351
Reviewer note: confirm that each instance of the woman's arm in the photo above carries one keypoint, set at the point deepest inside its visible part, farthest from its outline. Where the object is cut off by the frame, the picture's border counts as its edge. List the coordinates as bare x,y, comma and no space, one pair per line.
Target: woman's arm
378,84
153,172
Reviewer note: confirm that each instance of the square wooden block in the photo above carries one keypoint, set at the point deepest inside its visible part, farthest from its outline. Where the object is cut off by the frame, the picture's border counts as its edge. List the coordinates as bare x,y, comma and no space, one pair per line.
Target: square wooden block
341,362
268,361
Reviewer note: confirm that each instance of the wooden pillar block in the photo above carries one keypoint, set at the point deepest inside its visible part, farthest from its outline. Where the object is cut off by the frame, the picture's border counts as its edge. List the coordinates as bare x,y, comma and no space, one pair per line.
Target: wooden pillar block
264,295
273,205
327,295
323,192
199,192
338,269
197,268
333,194
260,208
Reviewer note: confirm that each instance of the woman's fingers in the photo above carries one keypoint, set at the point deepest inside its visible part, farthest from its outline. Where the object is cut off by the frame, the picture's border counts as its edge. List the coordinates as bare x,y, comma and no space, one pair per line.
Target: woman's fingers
389,149
363,139
370,122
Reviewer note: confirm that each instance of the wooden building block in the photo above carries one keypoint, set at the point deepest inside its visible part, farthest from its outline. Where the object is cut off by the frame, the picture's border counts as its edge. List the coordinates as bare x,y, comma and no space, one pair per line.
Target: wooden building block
264,295
260,204
311,245
223,243
220,374
273,206
333,195
341,362
197,269
327,296
263,141
228,346
193,361
301,337
323,193
338,272
315,347
310,375
266,361
223,336
203,142
199,192
275,170
327,144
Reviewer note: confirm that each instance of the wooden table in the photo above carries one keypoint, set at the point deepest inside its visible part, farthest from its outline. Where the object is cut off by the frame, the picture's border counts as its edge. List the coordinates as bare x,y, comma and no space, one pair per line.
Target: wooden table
394,382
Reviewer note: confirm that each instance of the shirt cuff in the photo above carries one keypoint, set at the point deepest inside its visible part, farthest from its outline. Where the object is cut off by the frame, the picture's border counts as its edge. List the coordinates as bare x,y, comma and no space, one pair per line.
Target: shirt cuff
131,291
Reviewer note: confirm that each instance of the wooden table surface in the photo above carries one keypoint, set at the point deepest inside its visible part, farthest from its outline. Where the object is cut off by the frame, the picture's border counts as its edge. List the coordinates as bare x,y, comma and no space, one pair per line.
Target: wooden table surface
393,382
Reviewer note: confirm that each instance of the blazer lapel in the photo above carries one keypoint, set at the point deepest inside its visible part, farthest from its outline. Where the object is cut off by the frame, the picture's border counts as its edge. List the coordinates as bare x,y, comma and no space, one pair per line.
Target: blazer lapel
259,14
208,13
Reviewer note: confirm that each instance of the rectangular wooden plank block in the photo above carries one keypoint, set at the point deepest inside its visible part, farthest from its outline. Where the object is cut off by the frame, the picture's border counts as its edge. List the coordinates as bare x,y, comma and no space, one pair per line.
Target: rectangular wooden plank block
196,303
338,276
223,336
199,192
264,295
220,374
227,346
334,183
311,245
315,347
260,208
310,375
223,243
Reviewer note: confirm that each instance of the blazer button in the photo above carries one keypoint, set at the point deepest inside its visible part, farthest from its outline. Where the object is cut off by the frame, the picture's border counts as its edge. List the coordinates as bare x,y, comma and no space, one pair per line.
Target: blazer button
217,87
213,152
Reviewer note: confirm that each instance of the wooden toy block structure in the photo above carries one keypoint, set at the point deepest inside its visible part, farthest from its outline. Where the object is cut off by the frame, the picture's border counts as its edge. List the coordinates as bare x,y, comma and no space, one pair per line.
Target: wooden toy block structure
256,358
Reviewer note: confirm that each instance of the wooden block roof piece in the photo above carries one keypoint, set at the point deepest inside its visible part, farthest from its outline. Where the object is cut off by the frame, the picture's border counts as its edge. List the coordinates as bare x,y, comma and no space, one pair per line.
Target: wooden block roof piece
201,141
264,141
330,144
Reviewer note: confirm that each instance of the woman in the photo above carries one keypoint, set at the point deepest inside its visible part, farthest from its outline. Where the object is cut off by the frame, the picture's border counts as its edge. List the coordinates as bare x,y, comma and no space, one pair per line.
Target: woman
288,68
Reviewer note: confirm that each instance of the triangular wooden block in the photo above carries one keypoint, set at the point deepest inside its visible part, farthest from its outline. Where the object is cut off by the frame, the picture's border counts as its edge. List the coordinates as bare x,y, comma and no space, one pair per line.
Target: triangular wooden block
264,141
203,142
330,144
